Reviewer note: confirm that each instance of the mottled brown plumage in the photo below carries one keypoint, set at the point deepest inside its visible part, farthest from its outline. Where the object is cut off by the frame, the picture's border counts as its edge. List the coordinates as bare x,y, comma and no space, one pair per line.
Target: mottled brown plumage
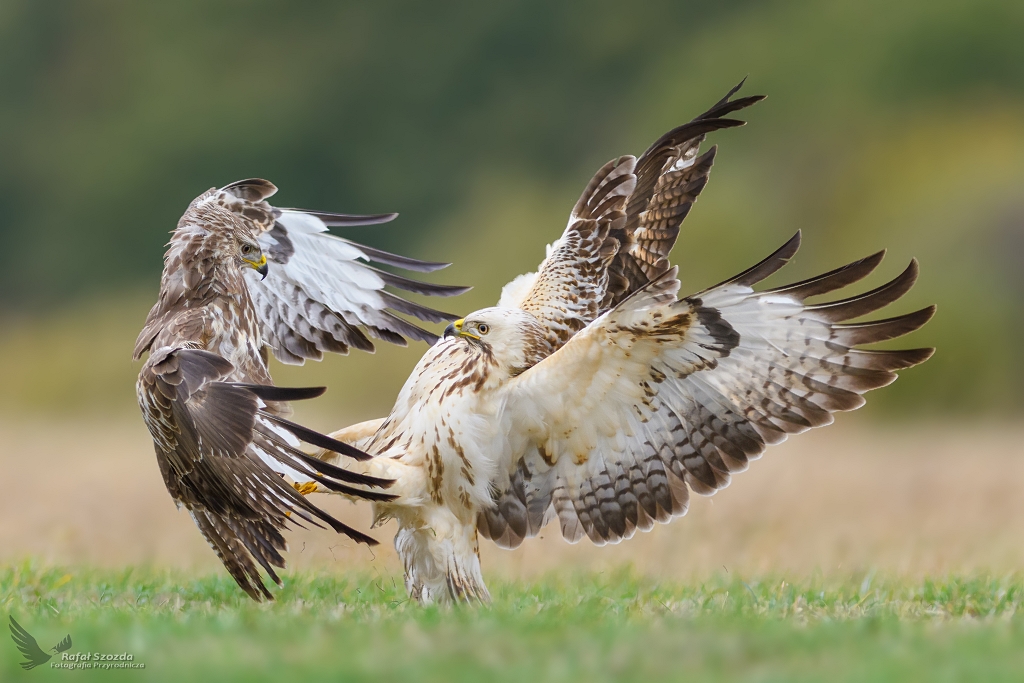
225,450
623,227
669,177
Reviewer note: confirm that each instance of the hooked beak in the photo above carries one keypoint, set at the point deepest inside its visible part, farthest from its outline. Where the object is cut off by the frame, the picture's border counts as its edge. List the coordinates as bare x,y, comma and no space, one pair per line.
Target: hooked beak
455,329
260,266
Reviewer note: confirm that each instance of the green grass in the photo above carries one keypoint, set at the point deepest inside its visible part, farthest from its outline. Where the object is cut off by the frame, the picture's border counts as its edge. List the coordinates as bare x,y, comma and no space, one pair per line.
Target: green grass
584,627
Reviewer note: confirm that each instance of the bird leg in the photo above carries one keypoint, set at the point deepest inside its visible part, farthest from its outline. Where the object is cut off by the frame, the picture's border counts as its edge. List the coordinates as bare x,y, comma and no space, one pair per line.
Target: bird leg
441,555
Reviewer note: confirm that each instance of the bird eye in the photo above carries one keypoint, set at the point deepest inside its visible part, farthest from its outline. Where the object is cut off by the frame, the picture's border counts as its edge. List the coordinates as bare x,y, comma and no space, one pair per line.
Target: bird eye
484,328
247,249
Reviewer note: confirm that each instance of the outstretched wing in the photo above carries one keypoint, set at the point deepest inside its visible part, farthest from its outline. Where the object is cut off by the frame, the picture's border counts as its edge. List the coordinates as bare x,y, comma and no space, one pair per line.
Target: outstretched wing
567,291
669,178
222,454
662,395
28,646
64,645
321,294
623,227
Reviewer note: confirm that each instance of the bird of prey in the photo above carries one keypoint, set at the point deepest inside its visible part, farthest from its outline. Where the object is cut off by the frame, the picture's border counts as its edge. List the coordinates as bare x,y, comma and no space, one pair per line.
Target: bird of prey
243,279
594,395
26,643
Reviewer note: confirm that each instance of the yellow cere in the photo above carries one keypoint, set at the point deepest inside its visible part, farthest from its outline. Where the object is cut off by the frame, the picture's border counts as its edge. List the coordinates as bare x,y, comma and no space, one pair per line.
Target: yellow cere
458,328
258,264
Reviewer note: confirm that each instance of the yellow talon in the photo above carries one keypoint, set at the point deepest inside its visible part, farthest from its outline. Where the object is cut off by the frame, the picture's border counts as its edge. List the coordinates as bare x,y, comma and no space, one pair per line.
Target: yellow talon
305,488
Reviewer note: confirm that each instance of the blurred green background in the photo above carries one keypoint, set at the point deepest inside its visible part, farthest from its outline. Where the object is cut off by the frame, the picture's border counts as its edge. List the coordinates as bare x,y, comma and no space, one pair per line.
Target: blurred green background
897,125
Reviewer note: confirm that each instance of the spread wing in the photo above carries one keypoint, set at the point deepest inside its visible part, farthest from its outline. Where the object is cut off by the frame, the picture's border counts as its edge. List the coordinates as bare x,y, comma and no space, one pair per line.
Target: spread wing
669,178
660,395
64,645
321,294
570,284
623,227
221,454
28,646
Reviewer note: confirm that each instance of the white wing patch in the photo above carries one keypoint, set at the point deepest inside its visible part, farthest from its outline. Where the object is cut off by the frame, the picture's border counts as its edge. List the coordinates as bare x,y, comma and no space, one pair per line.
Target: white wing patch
660,395
321,293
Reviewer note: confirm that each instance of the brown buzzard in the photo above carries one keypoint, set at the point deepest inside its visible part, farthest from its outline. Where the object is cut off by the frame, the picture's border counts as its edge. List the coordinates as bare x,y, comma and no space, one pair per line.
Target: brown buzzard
241,278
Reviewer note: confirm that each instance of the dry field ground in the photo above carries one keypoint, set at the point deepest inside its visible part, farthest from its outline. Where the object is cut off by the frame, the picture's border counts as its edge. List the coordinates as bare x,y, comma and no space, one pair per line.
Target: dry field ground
928,500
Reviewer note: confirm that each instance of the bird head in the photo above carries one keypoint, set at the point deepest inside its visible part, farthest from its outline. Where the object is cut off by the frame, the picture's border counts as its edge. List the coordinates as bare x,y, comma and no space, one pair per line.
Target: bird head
211,238
250,254
512,337
251,215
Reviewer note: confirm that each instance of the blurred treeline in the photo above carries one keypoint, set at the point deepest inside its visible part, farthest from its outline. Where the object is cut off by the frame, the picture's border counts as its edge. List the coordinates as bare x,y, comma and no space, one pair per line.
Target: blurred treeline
888,124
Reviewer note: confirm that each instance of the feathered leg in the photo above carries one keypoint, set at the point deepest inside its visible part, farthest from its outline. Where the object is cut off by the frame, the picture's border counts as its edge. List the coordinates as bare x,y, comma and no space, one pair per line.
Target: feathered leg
441,556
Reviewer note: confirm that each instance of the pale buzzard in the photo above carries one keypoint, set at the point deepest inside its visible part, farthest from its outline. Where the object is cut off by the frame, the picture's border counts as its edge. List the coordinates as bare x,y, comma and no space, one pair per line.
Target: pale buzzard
595,395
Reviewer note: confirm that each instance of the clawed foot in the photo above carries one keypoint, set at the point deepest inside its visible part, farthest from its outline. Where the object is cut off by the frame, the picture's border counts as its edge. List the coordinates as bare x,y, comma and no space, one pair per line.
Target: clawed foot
305,488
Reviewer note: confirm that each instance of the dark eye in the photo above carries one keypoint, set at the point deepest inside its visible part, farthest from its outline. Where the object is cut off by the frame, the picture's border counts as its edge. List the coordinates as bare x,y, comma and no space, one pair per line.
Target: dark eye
248,249
484,328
